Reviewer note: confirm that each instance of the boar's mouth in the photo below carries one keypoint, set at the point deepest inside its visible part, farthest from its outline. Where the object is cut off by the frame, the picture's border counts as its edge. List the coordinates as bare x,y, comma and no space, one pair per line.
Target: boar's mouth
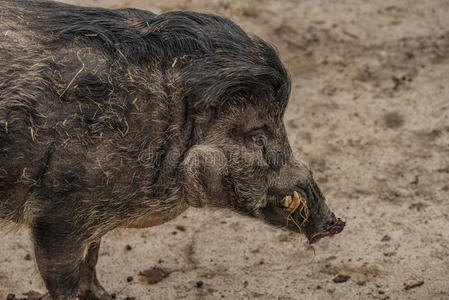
294,213
332,227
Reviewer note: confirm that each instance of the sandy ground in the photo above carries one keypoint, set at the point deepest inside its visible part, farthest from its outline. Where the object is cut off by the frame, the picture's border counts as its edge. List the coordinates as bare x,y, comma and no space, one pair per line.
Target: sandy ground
370,111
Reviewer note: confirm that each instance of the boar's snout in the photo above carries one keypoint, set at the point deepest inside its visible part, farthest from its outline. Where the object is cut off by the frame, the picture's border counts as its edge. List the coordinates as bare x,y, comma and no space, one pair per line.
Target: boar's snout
314,232
295,201
322,221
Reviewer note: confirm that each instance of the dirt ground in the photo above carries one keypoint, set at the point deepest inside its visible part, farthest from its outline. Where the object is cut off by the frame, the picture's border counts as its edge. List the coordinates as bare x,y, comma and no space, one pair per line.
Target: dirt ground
370,110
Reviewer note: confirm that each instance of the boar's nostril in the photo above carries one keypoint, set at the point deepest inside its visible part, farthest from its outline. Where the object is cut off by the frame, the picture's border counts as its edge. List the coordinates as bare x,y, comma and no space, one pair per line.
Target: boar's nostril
330,224
332,221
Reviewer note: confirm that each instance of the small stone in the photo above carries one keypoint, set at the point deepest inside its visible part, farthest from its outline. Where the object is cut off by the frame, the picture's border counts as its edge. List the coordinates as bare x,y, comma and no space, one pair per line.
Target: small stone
129,279
10,297
386,238
413,284
154,275
180,228
341,278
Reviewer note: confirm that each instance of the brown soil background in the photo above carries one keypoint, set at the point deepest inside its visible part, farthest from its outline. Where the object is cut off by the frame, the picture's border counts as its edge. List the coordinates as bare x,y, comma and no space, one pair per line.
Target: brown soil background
370,110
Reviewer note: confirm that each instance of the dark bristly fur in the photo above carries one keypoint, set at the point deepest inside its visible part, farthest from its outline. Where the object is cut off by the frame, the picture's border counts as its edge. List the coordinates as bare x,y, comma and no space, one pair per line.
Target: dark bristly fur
113,118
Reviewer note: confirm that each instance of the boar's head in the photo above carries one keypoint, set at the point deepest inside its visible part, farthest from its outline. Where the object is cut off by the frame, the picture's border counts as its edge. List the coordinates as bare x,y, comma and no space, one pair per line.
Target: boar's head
241,158
245,163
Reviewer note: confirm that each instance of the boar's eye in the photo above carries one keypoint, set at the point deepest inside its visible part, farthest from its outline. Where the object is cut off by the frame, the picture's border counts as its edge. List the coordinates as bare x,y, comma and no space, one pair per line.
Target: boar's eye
259,140
256,139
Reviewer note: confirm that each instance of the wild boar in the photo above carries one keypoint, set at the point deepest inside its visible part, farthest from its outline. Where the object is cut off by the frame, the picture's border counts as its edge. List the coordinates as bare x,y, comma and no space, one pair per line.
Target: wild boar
125,118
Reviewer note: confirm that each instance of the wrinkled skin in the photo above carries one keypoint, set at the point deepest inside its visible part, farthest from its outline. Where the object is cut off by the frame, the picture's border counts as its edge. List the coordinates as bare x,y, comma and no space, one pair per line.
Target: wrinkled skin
125,119
232,170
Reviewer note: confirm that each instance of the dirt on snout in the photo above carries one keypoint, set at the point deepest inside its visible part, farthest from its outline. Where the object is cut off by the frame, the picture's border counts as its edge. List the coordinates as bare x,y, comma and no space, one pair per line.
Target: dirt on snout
370,111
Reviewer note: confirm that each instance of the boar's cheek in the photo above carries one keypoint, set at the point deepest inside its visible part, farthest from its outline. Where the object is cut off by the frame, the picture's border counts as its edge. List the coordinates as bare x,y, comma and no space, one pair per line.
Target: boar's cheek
204,167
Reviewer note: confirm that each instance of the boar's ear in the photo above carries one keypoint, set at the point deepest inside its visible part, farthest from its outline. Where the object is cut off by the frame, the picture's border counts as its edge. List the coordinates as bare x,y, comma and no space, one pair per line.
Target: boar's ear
204,167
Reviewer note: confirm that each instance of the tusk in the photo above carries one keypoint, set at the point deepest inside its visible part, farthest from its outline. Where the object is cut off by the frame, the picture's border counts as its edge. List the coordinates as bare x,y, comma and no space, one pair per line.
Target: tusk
287,201
295,202
296,196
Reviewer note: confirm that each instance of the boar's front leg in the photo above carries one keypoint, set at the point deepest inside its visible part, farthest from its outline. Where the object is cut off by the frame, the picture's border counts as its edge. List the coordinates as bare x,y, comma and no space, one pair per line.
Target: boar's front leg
90,287
58,257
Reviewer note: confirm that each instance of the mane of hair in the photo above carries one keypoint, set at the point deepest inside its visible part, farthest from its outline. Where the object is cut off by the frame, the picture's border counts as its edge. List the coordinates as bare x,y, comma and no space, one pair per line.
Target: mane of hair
223,59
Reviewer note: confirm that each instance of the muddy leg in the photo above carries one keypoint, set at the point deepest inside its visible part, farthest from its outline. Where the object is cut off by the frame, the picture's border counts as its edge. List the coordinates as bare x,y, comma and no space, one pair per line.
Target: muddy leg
58,258
90,288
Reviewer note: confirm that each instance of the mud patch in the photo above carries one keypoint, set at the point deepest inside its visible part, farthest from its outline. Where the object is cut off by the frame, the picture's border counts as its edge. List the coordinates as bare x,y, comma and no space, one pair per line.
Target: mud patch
393,120
153,275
